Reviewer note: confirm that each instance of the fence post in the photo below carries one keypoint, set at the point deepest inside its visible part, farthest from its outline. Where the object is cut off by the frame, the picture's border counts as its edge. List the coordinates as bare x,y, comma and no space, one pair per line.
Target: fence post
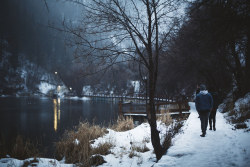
120,108
180,108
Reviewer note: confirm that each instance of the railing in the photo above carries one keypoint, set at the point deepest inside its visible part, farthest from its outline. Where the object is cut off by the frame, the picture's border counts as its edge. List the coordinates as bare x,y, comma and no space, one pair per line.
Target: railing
161,107
123,98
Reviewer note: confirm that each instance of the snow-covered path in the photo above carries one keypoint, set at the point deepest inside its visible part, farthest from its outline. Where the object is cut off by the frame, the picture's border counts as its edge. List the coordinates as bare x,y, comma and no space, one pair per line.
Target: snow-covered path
223,147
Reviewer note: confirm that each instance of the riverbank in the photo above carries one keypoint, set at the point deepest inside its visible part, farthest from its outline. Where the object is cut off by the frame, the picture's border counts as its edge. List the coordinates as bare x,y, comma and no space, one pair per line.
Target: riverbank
44,120
223,147
118,144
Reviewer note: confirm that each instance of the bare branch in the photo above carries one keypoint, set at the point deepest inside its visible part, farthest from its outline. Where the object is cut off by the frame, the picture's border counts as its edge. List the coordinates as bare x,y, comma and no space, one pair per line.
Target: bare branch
46,4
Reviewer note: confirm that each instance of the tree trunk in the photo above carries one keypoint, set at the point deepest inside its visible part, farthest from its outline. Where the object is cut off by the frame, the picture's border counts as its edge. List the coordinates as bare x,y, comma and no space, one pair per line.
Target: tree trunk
247,70
155,138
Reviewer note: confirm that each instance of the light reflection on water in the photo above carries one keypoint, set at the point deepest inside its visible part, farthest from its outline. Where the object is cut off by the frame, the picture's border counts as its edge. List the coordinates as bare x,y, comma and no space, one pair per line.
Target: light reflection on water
47,119
56,104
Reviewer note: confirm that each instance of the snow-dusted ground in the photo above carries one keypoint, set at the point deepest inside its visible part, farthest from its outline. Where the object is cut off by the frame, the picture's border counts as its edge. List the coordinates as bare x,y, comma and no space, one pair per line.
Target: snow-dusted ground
43,162
224,147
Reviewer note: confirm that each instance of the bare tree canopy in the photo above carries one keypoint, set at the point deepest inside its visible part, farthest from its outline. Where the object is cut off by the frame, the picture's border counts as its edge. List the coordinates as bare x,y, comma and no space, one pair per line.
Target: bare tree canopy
116,31
113,31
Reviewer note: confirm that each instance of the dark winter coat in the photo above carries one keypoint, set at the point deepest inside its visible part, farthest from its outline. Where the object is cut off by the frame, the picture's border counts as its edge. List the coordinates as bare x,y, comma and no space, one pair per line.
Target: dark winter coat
215,100
204,101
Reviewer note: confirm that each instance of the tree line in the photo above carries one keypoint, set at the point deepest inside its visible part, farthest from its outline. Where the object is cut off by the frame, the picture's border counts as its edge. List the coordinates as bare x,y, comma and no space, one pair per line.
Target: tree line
212,46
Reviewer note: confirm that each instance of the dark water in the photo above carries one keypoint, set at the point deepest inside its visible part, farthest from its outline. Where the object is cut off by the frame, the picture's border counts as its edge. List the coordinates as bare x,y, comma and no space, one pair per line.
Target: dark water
44,120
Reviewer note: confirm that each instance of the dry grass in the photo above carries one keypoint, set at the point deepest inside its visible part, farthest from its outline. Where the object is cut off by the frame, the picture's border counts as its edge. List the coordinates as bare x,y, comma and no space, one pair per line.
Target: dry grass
143,148
75,145
19,148
102,149
165,118
23,149
138,147
134,149
132,154
123,124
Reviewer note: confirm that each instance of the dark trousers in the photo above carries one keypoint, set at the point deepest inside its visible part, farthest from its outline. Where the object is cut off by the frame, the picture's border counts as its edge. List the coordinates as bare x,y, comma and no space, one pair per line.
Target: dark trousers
212,118
204,115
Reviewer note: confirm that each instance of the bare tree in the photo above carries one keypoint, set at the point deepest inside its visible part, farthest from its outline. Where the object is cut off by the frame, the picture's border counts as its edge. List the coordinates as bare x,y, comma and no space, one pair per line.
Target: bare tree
116,31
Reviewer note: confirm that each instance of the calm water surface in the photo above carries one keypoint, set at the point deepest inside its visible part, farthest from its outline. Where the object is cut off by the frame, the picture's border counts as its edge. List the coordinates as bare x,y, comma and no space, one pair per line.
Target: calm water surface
44,120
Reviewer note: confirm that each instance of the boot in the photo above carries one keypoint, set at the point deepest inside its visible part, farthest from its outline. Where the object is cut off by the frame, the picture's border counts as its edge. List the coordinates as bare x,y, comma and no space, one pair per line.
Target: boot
203,135
214,128
210,128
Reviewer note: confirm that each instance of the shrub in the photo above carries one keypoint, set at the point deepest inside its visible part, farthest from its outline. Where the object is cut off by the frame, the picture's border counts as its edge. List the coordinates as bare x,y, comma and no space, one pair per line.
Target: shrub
238,112
123,124
244,112
239,118
141,149
172,131
228,105
97,160
75,145
240,126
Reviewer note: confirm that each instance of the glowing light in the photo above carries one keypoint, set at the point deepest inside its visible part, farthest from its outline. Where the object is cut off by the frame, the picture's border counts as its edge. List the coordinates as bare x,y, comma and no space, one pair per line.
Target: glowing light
58,88
55,114
55,72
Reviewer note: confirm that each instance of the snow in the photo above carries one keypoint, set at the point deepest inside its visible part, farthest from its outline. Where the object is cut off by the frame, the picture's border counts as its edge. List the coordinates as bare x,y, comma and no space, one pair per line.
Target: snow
78,98
77,142
242,101
123,142
224,147
45,87
42,162
86,90
136,85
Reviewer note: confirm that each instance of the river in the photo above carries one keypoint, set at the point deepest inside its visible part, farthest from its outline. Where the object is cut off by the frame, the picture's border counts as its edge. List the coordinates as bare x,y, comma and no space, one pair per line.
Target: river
44,120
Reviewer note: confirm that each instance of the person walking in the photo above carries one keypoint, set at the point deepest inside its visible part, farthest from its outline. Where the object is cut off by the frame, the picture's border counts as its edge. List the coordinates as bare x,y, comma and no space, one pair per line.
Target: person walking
196,93
212,116
204,105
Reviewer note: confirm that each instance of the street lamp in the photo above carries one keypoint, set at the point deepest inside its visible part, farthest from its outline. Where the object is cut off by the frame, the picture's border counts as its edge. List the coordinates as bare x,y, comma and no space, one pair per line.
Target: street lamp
55,72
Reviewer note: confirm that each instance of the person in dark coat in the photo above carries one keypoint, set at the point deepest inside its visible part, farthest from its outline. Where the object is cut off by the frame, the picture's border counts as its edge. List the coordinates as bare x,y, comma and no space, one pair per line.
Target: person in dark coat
212,116
204,104
196,93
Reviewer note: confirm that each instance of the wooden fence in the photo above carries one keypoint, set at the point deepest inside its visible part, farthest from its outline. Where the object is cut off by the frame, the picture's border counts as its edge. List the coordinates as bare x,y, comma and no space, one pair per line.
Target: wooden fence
161,108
